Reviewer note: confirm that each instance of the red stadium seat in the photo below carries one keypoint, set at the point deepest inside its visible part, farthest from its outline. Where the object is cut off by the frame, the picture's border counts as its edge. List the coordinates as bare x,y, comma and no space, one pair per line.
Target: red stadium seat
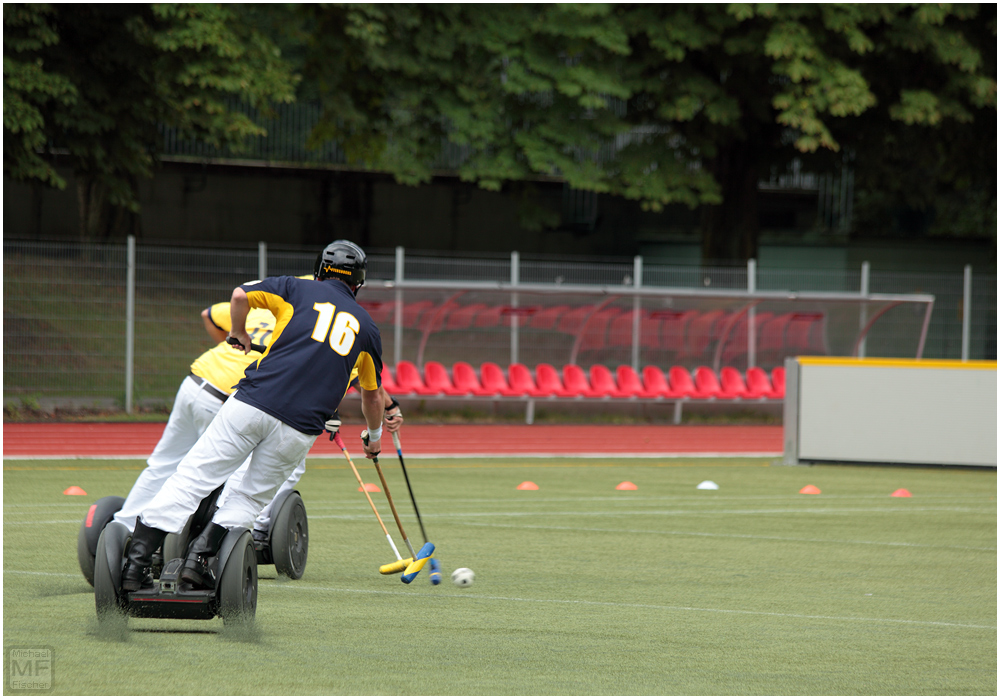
408,378
437,381
494,381
389,383
438,316
682,383
732,383
546,318
571,321
521,381
465,380
656,385
702,330
620,330
629,383
758,385
548,383
461,318
707,383
412,312
380,311
575,382
488,317
595,332
673,328
778,381
602,383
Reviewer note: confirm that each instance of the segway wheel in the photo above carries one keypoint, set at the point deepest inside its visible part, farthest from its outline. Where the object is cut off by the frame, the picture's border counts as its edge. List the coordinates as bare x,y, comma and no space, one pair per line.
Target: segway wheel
108,571
97,517
290,537
238,584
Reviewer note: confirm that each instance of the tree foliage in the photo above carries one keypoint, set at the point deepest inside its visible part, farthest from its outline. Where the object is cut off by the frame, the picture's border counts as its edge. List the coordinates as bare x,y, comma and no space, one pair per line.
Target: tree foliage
664,104
96,82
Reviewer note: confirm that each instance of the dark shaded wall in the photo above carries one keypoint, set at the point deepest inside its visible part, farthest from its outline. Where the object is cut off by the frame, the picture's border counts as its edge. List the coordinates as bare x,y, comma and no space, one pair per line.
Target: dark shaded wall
196,203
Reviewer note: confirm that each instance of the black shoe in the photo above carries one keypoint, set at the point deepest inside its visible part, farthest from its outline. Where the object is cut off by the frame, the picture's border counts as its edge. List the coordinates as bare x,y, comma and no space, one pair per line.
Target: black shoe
196,571
137,573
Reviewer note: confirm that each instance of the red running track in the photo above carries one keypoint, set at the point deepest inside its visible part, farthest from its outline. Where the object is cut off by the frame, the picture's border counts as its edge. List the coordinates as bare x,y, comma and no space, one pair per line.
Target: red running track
136,440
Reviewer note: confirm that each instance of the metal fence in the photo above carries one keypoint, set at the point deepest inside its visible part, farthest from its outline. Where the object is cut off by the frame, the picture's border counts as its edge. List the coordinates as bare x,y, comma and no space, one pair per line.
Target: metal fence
121,322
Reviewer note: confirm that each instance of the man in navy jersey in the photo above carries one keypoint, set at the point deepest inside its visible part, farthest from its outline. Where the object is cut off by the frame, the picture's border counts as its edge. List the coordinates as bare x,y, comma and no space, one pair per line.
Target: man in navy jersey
320,336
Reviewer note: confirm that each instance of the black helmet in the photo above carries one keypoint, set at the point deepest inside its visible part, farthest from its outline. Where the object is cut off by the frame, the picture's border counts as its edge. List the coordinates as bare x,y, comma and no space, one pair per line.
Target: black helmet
342,260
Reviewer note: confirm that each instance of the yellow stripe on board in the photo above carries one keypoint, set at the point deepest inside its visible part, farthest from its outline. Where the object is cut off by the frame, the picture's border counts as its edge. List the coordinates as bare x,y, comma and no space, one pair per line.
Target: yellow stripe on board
901,363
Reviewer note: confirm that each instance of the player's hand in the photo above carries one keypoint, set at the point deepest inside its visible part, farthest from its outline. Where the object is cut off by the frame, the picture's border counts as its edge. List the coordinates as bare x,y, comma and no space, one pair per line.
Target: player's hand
332,426
393,419
373,448
242,337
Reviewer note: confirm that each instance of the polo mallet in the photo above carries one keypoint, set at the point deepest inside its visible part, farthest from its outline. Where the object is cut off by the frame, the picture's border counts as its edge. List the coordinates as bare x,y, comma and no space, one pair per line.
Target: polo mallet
435,568
340,443
254,346
419,559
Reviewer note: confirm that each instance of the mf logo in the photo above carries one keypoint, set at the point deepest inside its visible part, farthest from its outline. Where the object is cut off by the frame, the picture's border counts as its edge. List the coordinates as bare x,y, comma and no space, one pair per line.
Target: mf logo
30,668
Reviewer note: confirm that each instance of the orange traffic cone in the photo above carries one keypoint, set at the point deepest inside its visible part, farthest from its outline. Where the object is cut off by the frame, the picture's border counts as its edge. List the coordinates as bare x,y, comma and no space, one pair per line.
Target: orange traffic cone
527,485
74,490
626,485
369,487
901,493
810,490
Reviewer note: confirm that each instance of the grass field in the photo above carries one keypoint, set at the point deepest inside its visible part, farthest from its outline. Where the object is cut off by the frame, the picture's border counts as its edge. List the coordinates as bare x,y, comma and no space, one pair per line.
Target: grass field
580,589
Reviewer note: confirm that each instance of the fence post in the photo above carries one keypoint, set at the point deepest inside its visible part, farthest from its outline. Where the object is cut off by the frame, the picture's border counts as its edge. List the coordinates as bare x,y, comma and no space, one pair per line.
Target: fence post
515,279
129,321
261,259
966,312
865,272
636,308
397,334
752,315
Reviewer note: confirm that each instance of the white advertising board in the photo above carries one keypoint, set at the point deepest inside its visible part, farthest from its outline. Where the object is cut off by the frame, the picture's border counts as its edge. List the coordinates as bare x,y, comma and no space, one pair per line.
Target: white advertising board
891,411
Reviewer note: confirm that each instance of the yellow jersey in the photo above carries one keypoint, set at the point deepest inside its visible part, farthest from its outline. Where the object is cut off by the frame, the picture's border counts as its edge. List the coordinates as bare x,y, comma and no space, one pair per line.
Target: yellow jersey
223,365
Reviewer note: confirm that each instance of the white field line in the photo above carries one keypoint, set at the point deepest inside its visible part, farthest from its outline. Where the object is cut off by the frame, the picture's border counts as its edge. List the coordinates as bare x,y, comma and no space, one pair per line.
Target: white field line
46,521
627,605
738,536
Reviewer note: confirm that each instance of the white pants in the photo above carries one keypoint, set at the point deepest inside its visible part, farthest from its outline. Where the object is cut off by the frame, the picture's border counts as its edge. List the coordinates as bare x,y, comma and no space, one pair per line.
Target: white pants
237,430
193,411
263,521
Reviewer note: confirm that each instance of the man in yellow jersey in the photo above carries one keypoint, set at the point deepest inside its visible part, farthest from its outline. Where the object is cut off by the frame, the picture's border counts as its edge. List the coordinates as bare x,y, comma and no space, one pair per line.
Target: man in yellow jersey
279,408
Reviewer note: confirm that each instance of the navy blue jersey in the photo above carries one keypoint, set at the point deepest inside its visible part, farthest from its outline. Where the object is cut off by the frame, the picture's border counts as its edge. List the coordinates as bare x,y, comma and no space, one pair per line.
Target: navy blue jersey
320,335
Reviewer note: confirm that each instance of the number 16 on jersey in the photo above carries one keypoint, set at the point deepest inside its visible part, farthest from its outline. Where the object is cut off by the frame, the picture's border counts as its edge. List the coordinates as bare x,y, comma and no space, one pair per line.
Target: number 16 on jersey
344,331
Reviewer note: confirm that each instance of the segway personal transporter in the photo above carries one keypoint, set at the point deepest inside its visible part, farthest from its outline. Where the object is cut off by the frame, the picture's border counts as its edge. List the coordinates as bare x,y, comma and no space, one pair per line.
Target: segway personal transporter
286,545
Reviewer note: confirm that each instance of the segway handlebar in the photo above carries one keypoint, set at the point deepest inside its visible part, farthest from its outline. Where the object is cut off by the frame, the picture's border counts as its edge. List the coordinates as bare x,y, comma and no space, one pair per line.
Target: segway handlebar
254,346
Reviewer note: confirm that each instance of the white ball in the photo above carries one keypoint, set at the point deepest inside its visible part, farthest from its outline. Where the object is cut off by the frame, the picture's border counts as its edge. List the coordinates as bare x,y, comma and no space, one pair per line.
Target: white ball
463,577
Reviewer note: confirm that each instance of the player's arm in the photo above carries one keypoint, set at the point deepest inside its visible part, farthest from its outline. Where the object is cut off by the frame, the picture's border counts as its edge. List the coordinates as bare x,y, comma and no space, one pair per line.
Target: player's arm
393,413
214,331
239,309
373,408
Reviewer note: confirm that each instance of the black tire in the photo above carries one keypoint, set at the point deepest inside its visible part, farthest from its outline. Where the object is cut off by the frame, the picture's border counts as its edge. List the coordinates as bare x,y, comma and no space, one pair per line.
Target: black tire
290,537
238,583
98,516
108,563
